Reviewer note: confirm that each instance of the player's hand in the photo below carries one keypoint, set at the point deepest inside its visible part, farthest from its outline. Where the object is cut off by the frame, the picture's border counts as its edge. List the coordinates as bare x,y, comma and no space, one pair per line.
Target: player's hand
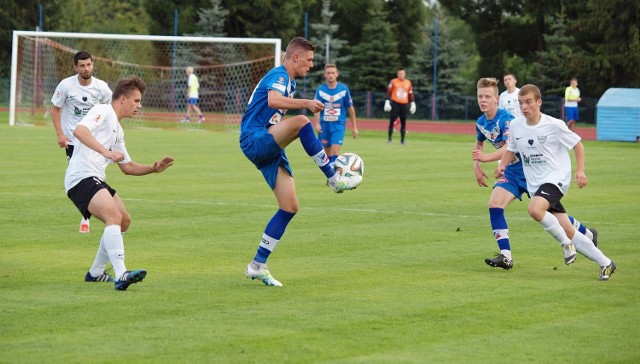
163,164
581,179
412,108
354,133
387,106
63,141
315,106
499,172
318,128
478,156
114,156
480,176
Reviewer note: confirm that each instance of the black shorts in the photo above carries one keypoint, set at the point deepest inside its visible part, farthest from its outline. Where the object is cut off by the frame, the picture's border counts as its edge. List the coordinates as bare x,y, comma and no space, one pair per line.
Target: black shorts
82,193
551,193
69,151
398,111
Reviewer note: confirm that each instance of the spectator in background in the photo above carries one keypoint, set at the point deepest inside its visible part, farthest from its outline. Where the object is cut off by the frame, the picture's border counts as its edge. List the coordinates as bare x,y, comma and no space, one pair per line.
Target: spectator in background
509,97
193,87
571,100
401,94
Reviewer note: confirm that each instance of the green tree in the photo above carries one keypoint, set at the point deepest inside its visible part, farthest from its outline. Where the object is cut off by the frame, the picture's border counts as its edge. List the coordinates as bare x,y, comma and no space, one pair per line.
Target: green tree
558,62
407,18
266,19
321,31
22,15
373,61
608,32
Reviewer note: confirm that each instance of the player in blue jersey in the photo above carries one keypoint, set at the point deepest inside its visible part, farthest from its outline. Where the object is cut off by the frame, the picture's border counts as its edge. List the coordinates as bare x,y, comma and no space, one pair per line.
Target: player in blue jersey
264,135
493,126
331,122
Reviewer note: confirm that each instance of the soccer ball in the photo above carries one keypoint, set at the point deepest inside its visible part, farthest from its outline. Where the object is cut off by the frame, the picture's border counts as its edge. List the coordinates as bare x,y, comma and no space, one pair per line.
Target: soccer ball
349,164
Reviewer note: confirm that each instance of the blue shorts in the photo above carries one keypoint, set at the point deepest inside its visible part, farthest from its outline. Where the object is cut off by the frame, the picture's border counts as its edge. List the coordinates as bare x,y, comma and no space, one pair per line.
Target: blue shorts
263,151
332,133
193,101
570,113
513,181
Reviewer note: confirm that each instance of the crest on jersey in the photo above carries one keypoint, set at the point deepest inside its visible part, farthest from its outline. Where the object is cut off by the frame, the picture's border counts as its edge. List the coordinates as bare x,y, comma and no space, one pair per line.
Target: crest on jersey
98,118
84,98
542,139
530,141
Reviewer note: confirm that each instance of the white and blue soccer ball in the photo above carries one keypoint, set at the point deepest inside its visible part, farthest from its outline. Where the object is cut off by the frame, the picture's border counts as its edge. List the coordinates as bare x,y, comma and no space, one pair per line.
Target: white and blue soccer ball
349,164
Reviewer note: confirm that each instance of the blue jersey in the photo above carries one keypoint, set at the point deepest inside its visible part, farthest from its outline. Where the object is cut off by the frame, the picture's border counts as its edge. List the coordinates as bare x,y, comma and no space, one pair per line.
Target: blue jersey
336,102
258,114
496,132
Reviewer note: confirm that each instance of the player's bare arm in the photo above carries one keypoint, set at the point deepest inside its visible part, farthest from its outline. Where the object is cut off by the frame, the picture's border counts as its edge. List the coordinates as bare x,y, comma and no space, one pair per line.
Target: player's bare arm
507,157
135,169
354,124
55,116
489,157
477,170
581,177
278,101
83,134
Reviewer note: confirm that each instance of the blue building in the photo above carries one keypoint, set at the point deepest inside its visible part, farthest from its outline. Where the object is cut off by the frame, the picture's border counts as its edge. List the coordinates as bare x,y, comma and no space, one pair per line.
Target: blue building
618,115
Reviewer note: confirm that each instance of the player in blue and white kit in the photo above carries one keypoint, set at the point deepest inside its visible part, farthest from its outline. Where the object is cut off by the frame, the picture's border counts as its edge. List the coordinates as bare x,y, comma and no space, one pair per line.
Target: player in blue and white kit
331,122
264,135
544,143
493,127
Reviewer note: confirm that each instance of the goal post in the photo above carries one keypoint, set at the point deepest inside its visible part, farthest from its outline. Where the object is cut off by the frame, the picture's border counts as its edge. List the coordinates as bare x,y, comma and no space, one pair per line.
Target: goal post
228,69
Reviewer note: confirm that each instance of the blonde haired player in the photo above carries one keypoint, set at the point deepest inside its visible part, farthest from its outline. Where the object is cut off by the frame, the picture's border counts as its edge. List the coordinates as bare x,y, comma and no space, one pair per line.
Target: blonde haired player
193,95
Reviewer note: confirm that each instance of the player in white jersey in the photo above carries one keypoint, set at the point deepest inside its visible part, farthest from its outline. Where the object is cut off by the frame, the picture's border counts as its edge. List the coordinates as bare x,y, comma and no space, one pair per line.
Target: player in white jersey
543,143
73,98
99,142
509,97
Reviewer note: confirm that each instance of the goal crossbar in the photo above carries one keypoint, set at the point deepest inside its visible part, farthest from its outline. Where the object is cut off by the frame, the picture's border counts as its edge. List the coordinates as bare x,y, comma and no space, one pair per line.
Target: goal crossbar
274,42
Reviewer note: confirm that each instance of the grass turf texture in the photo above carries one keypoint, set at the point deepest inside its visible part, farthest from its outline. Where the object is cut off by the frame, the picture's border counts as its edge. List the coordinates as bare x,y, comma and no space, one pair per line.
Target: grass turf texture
392,272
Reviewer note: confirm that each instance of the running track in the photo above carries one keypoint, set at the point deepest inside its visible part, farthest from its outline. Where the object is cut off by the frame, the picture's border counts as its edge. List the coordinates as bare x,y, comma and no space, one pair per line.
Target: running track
440,127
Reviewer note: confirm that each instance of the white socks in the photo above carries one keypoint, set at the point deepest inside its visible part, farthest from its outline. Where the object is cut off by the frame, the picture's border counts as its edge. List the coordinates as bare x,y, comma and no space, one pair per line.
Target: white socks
114,247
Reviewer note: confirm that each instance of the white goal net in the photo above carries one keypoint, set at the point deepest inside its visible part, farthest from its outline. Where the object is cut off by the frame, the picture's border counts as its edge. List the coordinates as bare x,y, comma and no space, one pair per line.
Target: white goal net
228,69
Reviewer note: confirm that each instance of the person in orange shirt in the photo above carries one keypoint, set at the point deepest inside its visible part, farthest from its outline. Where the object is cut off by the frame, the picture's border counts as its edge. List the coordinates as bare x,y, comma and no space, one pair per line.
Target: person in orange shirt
401,94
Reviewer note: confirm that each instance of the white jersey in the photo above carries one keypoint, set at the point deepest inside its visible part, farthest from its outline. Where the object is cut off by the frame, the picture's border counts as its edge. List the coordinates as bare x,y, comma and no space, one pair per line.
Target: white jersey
76,100
509,102
103,123
544,149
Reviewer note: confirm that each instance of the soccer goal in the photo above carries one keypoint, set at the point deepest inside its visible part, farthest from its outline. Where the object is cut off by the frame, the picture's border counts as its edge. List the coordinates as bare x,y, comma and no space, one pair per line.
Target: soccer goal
228,69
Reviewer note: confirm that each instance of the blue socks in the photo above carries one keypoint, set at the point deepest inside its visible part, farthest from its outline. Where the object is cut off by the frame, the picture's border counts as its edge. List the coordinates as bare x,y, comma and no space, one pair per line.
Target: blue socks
314,149
500,228
272,234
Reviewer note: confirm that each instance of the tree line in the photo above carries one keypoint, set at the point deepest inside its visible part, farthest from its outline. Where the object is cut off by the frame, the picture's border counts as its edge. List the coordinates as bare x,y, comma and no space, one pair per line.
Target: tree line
545,42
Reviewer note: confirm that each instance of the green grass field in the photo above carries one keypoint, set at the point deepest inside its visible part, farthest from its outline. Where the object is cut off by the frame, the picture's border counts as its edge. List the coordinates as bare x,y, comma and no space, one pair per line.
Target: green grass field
393,272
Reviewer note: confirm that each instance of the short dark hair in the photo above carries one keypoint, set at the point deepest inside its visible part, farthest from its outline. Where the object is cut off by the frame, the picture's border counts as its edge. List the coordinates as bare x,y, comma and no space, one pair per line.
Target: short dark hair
128,84
330,65
81,56
509,74
299,43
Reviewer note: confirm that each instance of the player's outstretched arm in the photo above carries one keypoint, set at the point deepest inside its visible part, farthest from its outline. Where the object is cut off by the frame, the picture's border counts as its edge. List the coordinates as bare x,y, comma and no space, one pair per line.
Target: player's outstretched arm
135,169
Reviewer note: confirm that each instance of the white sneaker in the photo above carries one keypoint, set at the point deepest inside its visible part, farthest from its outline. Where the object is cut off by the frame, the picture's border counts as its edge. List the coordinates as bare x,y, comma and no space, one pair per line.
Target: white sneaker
84,227
569,251
262,274
343,183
